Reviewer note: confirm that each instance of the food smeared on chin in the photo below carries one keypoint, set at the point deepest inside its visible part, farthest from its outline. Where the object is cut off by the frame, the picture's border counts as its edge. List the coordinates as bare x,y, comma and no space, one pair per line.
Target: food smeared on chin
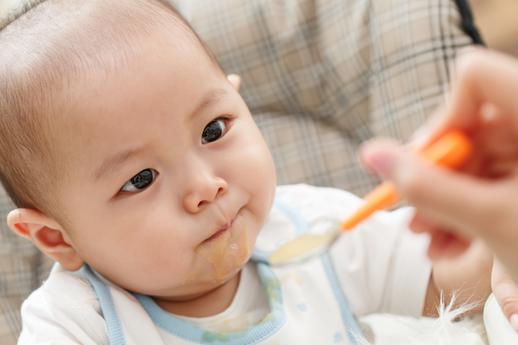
227,250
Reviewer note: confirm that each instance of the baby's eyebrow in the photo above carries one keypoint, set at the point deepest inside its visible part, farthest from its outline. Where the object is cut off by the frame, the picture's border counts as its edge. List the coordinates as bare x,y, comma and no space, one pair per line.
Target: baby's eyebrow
209,99
113,162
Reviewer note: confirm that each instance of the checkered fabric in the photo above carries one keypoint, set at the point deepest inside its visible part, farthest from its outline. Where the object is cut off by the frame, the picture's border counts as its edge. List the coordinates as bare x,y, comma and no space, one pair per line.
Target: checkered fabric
320,76
323,76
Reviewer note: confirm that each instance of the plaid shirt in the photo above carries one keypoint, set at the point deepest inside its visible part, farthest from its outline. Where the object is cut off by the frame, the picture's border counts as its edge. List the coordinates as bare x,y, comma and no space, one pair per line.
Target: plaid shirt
320,77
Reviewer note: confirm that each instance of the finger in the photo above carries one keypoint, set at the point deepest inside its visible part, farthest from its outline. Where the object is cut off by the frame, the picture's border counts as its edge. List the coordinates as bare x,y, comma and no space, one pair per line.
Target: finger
444,243
365,158
469,274
420,224
496,133
506,293
482,77
451,199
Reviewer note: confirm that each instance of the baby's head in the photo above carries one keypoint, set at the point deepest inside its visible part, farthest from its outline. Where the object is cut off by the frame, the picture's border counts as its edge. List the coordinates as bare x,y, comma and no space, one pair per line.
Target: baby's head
125,146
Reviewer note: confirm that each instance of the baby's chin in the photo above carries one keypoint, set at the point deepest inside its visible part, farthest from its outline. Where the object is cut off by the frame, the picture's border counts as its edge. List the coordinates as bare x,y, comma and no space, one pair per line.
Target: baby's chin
218,260
199,282
194,290
225,255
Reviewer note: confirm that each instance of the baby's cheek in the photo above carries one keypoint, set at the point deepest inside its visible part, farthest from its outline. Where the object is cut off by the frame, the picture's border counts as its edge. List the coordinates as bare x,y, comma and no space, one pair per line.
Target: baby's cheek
159,259
261,174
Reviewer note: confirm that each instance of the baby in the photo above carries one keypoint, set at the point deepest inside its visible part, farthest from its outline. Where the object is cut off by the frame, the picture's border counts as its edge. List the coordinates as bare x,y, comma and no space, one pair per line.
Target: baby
136,165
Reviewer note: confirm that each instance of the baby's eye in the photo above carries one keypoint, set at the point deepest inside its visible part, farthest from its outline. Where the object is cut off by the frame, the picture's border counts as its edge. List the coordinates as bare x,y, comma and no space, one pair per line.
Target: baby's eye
214,130
140,181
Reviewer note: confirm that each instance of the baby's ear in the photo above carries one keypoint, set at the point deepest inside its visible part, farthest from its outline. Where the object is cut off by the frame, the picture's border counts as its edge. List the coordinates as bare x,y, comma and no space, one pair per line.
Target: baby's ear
235,80
46,234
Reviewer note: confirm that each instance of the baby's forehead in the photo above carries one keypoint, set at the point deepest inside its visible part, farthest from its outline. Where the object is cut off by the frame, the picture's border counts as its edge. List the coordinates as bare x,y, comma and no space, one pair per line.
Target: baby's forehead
52,13
58,39
59,44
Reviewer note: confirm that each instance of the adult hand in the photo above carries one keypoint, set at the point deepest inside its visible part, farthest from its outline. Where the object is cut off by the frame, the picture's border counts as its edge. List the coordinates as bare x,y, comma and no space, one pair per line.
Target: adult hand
482,199
506,293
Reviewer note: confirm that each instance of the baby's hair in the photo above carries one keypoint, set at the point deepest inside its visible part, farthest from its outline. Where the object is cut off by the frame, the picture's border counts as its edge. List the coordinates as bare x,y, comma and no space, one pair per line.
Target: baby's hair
40,57
10,10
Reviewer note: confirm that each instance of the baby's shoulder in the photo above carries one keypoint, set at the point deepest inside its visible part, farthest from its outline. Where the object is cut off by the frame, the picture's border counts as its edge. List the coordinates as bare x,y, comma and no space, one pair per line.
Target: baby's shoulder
68,286
62,293
63,310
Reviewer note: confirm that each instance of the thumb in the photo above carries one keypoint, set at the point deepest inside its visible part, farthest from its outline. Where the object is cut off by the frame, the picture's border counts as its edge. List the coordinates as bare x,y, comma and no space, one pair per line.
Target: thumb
454,200
506,293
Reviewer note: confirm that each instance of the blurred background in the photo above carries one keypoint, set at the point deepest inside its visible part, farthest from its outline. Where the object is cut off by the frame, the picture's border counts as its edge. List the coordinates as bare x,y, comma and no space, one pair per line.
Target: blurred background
498,22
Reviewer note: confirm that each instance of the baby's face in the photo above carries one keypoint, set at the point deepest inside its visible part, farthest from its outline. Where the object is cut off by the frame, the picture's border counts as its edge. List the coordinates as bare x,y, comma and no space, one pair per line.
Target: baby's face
168,180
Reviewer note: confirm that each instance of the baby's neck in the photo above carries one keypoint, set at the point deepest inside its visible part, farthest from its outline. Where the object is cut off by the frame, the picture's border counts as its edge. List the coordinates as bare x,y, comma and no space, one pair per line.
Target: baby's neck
208,304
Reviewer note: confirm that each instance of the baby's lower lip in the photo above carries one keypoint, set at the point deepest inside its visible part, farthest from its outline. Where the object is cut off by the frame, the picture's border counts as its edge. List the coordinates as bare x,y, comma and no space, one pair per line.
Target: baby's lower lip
217,234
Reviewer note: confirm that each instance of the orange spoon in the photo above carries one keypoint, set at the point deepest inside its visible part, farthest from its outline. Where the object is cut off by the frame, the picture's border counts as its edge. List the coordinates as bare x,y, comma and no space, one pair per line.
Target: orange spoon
450,151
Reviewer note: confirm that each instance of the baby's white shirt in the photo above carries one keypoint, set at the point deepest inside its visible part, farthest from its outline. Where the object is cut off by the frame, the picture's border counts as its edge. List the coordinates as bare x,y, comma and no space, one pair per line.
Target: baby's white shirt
249,306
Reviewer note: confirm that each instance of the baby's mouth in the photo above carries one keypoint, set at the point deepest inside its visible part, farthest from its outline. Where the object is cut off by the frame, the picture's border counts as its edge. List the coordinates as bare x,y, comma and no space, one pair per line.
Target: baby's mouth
222,230
226,250
218,233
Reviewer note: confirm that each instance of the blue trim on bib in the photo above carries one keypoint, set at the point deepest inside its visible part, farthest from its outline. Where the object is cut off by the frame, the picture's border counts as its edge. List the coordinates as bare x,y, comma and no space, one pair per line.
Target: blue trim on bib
115,333
188,331
260,256
354,331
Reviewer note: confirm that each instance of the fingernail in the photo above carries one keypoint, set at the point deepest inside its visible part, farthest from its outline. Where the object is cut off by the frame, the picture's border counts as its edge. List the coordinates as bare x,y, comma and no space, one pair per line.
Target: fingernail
513,320
383,162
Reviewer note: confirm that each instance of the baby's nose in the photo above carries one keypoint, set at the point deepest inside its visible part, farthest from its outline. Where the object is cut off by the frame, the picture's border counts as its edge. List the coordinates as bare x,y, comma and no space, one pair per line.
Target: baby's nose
203,192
